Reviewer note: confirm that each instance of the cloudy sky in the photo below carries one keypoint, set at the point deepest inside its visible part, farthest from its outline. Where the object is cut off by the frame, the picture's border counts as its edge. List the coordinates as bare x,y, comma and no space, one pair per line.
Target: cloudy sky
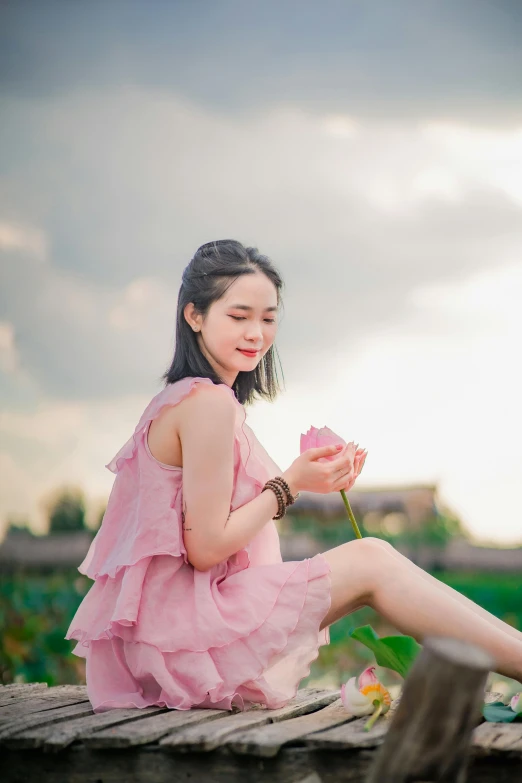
373,150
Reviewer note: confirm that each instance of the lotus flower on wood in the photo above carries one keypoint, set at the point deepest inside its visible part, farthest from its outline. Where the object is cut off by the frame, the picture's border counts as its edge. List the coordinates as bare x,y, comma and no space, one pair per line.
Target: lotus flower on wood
366,696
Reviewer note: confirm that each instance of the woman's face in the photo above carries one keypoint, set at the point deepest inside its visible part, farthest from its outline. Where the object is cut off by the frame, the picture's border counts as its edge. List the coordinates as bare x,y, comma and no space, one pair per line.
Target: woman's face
229,327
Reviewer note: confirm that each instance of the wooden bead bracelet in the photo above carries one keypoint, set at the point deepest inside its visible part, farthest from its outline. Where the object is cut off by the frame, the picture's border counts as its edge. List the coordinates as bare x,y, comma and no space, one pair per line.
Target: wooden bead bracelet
277,484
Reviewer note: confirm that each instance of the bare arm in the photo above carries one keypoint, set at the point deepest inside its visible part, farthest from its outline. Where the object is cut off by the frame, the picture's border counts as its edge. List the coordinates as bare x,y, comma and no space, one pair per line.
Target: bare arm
211,532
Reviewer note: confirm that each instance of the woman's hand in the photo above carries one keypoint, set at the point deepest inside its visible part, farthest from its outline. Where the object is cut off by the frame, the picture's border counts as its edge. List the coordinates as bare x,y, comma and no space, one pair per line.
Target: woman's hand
334,473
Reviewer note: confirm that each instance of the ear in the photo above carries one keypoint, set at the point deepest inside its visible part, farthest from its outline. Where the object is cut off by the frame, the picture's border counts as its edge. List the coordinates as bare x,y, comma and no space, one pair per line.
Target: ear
191,316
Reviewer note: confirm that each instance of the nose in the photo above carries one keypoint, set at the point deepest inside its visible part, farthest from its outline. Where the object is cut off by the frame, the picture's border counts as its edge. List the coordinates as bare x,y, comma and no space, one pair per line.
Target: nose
254,334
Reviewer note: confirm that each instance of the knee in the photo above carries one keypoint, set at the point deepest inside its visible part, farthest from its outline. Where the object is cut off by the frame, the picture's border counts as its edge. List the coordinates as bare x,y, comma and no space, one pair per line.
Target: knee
380,542
370,555
369,559
374,548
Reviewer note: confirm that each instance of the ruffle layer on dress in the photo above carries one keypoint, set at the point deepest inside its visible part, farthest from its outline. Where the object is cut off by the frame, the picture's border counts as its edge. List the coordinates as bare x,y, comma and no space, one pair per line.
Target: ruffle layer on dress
155,631
146,650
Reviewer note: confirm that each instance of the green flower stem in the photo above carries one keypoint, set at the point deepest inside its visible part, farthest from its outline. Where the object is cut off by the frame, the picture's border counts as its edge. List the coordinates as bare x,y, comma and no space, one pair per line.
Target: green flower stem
369,725
350,514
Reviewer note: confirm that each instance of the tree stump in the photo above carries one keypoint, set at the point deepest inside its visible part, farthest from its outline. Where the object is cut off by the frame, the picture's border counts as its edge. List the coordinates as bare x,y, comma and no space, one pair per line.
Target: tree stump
430,734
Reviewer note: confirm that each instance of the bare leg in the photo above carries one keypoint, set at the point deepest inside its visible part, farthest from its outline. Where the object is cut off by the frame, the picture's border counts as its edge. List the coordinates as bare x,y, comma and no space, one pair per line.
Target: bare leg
364,572
454,593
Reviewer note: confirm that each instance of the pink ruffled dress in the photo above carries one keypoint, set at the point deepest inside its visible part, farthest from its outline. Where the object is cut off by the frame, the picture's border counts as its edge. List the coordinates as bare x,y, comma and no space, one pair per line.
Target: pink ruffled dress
155,631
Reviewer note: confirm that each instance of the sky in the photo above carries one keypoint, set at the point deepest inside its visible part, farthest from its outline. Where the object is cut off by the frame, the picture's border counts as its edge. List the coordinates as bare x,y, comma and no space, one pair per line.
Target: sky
372,150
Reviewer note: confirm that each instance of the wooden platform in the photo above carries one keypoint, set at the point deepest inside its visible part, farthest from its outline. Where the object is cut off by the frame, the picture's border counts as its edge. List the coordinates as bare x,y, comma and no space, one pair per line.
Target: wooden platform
51,734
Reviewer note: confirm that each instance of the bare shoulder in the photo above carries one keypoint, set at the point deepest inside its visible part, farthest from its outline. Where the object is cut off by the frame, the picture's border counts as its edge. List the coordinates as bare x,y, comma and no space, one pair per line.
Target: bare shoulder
206,404
206,425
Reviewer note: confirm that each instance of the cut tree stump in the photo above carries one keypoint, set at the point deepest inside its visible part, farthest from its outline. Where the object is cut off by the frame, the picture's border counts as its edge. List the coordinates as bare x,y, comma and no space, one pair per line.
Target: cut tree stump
429,737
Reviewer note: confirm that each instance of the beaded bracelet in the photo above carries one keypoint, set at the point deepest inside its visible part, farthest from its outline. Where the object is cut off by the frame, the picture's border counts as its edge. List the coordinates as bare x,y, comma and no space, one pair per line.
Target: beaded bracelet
290,498
275,484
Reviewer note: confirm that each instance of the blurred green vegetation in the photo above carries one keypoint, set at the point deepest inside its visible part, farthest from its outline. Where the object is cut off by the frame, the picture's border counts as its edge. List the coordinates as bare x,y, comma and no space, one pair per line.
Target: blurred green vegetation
35,612
65,510
436,530
37,607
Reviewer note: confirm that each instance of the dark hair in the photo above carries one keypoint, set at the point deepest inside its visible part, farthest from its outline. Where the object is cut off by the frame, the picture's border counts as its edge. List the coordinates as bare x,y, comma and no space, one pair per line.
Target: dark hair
212,270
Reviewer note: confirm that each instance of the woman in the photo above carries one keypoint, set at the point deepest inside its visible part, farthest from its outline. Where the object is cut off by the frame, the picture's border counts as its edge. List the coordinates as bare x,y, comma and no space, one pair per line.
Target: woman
192,605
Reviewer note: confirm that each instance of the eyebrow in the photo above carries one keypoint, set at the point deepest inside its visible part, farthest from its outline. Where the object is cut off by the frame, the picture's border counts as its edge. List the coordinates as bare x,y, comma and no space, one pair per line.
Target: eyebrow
246,307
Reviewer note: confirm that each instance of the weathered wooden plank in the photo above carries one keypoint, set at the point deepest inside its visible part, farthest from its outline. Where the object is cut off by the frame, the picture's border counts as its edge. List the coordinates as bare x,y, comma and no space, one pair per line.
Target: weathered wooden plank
33,706
494,737
42,718
12,687
212,735
149,763
8,693
349,736
489,697
60,696
516,747
44,693
155,727
353,736
336,753
313,777
56,736
266,741
78,764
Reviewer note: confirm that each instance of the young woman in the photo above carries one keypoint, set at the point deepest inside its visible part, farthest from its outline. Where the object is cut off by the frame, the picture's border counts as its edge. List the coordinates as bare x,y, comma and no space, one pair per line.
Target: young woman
192,605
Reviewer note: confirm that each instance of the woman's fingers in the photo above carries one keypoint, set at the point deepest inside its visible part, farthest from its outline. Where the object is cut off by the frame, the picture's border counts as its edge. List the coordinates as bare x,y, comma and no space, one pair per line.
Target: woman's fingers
345,480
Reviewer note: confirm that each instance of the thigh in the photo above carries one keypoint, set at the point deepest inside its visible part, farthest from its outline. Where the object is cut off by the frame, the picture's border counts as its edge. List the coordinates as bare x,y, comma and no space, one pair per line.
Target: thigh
356,567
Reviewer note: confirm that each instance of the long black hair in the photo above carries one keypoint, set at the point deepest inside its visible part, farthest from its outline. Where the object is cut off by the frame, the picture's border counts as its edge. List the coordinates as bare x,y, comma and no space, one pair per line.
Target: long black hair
212,270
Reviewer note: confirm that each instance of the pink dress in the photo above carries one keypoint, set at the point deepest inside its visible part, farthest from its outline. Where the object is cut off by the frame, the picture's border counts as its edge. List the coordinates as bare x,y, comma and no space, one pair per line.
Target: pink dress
155,631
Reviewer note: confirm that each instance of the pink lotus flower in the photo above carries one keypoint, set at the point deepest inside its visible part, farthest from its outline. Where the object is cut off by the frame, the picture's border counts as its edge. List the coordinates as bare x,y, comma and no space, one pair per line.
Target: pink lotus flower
316,438
368,696
516,703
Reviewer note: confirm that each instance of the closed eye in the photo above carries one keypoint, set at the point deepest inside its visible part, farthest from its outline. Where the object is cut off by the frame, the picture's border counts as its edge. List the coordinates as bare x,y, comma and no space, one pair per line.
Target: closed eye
241,318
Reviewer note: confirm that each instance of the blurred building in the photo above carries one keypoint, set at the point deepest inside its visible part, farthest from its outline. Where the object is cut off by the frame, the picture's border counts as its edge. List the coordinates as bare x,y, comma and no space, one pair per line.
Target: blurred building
397,509
20,549
455,556
393,510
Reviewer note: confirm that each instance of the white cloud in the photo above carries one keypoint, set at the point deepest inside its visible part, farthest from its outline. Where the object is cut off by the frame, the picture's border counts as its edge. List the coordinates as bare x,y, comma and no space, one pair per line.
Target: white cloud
19,237
434,398
381,231
481,155
132,308
62,443
9,358
79,338
18,493
341,126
